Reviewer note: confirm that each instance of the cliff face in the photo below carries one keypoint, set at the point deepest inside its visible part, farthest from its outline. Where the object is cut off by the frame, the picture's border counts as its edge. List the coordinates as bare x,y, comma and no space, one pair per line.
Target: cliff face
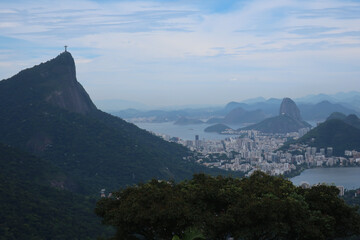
54,82
289,108
69,95
72,98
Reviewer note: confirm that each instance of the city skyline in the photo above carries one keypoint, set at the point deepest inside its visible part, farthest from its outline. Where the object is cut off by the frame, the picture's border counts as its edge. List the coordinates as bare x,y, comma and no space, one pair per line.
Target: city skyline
166,52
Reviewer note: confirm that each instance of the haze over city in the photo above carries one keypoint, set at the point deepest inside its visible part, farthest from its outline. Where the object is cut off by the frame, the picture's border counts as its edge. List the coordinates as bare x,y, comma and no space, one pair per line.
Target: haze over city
189,52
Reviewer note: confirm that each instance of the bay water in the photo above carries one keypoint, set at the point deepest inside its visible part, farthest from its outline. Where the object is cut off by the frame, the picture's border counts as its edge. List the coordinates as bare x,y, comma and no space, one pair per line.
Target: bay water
185,132
349,177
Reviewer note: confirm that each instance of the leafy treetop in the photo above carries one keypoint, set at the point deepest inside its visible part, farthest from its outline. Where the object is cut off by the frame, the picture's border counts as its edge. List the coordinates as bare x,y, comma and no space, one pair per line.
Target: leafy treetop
258,207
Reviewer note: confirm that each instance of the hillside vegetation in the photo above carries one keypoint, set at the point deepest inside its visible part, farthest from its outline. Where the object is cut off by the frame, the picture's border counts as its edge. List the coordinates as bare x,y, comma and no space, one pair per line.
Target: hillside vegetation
333,133
34,205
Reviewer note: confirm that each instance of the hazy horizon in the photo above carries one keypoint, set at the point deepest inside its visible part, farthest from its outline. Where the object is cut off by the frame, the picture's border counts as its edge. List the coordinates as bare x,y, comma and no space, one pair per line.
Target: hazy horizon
178,53
113,104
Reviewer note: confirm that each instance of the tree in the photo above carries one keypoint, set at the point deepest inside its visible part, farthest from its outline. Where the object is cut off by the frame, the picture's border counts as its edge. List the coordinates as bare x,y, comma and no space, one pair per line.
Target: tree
258,207
190,234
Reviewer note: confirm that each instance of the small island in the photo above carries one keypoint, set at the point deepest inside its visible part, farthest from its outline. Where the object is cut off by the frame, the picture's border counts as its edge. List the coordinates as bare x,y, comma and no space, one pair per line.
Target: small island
218,128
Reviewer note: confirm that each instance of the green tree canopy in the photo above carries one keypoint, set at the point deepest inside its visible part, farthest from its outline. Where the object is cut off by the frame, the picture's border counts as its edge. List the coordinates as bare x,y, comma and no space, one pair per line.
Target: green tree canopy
258,207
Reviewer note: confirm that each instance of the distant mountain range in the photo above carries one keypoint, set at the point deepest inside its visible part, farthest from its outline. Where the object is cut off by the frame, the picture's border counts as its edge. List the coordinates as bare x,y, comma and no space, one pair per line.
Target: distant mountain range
187,121
312,108
288,120
239,116
309,111
322,110
351,98
235,113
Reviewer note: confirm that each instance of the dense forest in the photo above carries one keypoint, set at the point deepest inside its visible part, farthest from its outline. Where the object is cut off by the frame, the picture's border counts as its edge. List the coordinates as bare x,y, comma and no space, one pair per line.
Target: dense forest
34,205
258,207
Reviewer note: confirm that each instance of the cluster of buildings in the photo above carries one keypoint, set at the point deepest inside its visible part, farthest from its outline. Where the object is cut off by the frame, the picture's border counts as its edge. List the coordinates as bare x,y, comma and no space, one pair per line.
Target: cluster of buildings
253,150
323,157
247,153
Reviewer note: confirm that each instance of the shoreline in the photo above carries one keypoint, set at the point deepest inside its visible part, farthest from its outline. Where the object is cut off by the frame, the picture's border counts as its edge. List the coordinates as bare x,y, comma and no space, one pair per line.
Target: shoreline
346,176
298,172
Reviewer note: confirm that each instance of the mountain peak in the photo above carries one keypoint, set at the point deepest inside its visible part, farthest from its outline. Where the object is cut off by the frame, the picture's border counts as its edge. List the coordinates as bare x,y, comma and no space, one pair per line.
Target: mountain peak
70,95
65,54
62,64
65,58
288,107
53,82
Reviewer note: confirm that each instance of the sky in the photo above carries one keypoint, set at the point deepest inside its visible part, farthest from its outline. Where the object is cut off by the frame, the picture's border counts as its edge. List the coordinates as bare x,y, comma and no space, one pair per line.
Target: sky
169,52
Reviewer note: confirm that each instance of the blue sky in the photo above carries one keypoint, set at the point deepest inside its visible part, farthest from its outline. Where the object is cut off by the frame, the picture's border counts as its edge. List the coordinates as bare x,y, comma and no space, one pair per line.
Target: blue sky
170,52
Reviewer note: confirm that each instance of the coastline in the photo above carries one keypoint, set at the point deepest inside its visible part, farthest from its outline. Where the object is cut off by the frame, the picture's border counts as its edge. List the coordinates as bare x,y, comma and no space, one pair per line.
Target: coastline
346,176
302,168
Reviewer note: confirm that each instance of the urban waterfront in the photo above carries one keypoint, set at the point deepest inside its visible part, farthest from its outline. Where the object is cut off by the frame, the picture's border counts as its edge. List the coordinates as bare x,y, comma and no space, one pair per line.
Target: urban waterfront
255,151
252,150
349,177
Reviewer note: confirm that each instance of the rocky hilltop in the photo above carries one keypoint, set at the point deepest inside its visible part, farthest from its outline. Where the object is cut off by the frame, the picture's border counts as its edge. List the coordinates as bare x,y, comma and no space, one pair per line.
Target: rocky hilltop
53,81
289,108
68,94
289,120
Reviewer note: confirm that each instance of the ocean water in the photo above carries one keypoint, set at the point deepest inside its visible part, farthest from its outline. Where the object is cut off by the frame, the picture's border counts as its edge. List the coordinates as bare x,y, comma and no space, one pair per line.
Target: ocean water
349,177
186,132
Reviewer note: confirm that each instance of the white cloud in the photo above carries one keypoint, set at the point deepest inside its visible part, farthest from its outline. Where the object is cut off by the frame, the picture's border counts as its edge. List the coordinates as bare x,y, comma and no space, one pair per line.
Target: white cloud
180,43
